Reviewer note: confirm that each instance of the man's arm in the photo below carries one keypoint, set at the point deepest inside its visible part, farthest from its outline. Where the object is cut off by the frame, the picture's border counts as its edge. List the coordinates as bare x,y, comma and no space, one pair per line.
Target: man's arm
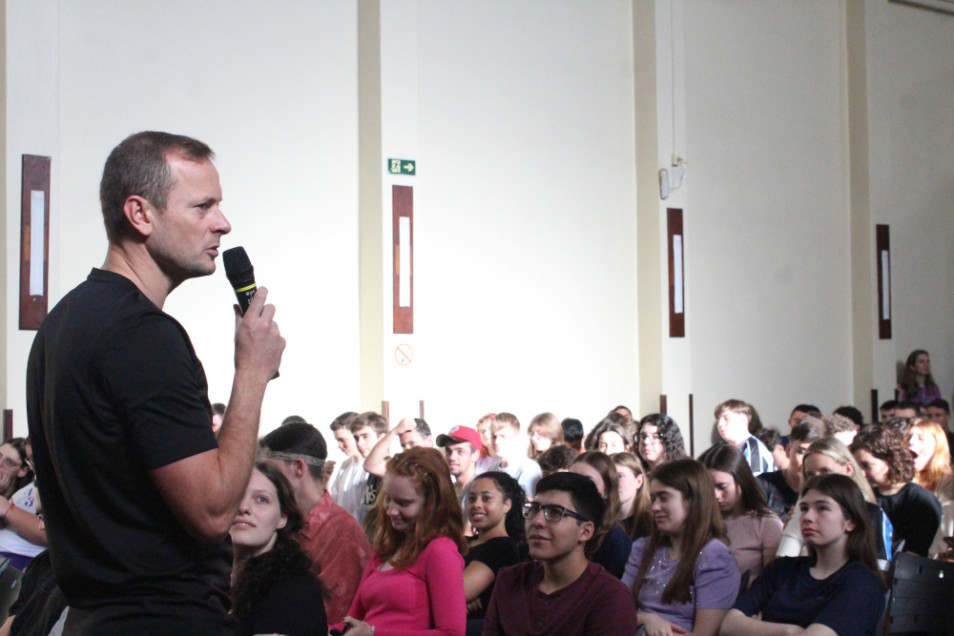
204,490
377,459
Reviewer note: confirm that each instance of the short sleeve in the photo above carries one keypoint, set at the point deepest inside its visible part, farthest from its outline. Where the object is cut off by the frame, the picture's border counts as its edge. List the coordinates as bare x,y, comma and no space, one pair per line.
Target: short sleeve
754,599
497,553
856,604
159,387
717,577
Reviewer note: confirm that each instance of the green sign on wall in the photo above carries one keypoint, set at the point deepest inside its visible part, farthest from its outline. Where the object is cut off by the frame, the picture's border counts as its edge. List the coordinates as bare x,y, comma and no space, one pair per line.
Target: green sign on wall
402,166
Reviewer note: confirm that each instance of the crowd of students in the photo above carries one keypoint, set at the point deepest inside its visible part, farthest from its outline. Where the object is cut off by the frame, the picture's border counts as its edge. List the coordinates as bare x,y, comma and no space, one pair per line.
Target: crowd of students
616,531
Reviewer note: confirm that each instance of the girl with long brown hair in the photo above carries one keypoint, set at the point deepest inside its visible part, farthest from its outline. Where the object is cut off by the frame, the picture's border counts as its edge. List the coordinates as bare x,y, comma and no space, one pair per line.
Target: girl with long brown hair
414,581
682,575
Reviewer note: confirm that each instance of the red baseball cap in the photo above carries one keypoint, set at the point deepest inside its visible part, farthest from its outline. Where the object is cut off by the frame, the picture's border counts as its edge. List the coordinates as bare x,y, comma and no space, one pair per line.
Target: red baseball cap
460,434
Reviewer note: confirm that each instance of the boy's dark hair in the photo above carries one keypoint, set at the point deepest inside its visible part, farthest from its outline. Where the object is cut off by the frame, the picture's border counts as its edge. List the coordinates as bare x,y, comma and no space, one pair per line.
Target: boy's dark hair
770,437
343,421
422,428
299,438
556,458
851,413
369,418
807,409
941,404
583,493
808,429
836,423
572,429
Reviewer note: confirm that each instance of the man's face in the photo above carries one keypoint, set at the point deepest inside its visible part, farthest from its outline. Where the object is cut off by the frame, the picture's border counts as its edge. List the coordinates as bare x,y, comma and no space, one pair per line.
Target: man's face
886,414
460,457
796,416
346,442
733,427
548,540
796,456
504,439
909,412
184,238
412,439
939,415
364,440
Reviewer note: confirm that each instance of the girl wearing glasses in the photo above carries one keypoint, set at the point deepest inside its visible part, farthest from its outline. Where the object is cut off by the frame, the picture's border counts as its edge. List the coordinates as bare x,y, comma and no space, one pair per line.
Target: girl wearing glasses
683,576
413,583
21,535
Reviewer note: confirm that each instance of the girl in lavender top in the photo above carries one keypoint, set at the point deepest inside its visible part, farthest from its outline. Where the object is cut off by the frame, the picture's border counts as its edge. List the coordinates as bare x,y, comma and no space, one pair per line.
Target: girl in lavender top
683,576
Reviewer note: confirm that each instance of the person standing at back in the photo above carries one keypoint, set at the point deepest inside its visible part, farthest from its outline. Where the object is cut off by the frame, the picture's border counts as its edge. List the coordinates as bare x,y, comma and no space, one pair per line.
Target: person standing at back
139,494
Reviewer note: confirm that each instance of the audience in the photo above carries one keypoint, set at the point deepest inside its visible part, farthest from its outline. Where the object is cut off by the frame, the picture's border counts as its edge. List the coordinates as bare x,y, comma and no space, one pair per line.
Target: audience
886,410
940,411
409,432
273,588
510,458
21,537
610,545
485,426
851,413
560,591
356,490
544,432
773,441
620,424
659,440
753,530
414,580
495,509
837,587
334,542
781,487
841,428
682,575
634,514
914,511
917,385
733,419
612,439
932,470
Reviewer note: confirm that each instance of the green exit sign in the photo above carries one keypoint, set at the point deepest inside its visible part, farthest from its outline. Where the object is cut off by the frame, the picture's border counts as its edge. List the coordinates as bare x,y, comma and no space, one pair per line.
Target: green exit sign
402,166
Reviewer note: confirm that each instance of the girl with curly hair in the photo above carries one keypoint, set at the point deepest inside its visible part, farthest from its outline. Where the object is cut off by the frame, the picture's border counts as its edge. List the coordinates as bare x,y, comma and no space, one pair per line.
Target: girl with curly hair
273,588
913,510
917,383
414,580
658,440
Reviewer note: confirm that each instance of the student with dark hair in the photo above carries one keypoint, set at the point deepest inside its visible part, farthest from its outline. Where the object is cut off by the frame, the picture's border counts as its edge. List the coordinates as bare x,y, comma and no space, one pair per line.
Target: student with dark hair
840,427
611,545
356,490
781,487
773,441
914,511
836,589
556,459
414,581
218,415
273,588
852,413
917,384
800,411
560,592
622,425
495,509
753,530
572,433
682,575
334,542
886,410
659,440
940,411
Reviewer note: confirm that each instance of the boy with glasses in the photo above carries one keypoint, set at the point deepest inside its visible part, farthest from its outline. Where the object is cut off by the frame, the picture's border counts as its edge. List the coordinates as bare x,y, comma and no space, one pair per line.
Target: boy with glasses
560,592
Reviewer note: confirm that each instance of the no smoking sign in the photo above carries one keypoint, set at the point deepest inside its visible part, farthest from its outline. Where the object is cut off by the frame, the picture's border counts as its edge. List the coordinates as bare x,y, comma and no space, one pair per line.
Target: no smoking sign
403,354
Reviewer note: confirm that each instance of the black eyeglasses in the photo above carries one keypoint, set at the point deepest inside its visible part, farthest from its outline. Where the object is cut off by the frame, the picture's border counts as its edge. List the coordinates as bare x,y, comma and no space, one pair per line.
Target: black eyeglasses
551,512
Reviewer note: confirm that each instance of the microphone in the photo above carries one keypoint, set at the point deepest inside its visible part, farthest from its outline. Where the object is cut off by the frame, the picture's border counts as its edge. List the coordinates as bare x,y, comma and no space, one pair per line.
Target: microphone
241,275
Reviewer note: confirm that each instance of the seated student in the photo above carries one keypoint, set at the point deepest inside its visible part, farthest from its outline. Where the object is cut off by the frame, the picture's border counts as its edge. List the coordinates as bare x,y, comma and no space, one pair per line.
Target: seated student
413,583
659,440
572,433
886,410
914,511
781,487
940,411
510,456
834,590
852,413
733,418
932,469
634,514
273,588
495,509
841,428
829,456
683,576
334,542
557,459
612,439
917,384
753,530
611,545
544,433
560,592
773,441
619,424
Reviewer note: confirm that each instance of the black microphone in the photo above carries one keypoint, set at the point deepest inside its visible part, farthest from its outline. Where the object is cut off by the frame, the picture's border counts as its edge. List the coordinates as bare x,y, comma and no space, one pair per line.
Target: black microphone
241,275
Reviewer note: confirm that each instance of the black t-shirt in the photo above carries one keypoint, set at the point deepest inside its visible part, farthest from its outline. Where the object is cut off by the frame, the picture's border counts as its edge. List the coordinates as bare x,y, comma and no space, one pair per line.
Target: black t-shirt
292,606
915,513
495,553
779,495
849,601
115,390
40,601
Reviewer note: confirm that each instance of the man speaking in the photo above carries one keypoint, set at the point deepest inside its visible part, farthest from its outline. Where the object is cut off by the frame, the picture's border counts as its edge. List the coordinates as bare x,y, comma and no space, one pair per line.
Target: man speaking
138,495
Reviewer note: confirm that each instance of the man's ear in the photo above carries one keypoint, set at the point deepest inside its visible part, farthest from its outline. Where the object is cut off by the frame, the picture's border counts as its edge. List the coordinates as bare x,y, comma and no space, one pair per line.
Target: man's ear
299,467
139,214
587,530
